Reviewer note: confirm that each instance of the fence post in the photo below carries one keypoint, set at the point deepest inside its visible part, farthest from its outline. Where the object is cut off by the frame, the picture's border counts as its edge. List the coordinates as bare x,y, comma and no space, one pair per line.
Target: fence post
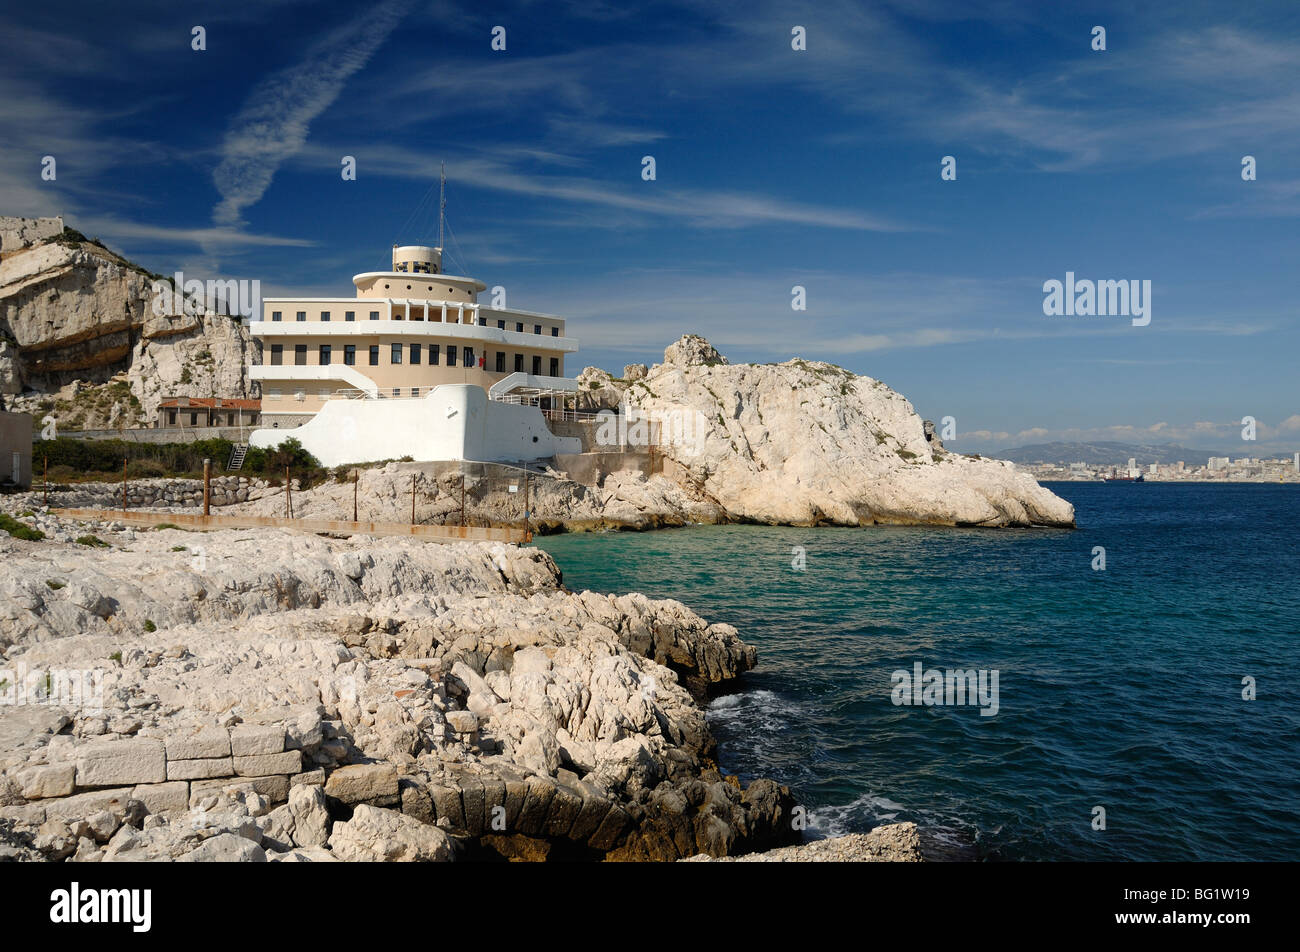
356,478
413,499
123,484
288,494
47,481
207,488
462,496
527,532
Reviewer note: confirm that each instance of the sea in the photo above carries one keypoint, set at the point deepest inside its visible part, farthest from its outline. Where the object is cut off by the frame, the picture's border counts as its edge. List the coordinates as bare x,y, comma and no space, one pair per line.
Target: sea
1141,672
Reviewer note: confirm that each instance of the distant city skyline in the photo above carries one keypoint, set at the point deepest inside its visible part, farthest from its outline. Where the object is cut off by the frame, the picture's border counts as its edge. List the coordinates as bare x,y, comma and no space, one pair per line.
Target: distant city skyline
774,168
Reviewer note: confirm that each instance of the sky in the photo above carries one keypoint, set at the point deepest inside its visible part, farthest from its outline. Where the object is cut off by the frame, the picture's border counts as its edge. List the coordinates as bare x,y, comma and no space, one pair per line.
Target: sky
774,168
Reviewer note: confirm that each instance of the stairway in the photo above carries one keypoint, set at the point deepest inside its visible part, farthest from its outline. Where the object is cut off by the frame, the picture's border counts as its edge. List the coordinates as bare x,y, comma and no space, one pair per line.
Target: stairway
237,457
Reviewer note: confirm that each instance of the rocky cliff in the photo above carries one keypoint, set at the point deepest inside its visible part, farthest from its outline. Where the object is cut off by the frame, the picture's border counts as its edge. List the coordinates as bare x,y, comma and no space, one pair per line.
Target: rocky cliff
79,339
438,700
808,443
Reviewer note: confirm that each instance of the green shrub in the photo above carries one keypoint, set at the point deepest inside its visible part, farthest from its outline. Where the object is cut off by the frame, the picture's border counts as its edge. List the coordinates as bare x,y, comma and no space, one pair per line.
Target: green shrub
145,469
149,625
102,459
54,584
95,542
20,530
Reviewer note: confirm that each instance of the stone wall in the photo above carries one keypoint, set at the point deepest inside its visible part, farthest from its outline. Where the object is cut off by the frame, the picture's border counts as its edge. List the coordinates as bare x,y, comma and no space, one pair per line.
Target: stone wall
157,493
170,434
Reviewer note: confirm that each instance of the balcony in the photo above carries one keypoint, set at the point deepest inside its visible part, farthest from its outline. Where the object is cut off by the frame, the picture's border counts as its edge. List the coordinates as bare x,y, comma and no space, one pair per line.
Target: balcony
413,329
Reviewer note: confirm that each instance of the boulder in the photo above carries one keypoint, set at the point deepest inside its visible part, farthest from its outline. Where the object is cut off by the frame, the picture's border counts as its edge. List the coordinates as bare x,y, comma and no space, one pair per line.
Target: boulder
378,835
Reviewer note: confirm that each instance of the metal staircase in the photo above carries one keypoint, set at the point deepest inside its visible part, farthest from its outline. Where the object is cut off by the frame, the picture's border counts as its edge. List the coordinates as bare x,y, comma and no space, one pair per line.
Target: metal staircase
237,457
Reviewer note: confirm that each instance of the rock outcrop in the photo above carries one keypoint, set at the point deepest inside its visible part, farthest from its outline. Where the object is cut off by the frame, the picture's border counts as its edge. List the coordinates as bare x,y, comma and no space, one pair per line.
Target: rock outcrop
178,689
894,843
75,319
809,443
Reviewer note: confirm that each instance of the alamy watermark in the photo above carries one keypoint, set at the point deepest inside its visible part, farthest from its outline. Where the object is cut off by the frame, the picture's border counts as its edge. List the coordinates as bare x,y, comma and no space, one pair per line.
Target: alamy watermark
1087,298
933,687
235,297
81,688
686,429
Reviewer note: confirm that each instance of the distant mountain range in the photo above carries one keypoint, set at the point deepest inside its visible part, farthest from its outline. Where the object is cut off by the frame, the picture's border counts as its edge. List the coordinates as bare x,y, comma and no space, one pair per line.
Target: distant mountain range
1117,454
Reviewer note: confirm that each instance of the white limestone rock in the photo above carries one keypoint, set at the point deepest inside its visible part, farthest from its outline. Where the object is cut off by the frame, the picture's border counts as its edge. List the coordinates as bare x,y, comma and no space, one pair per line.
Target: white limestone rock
378,835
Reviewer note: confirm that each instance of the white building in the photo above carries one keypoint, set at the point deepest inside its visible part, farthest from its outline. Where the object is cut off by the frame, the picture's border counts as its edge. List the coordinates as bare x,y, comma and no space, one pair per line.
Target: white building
413,365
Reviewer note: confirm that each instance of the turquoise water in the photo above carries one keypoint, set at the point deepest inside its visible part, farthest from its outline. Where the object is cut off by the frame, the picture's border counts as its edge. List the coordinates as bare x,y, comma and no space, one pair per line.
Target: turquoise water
1119,688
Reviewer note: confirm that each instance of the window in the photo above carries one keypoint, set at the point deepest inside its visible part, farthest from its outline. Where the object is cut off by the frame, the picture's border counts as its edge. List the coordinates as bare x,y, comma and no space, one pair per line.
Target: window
537,365
415,353
194,419
451,355
374,315
519,363
415,391
275,315
273,394
171,417
302,315
501,362
374,355
277,355
555,331
555,366
482,321
397,392
350,355
501,325
324,315
435,351
519,327
324,355
395,356
537,328
300,355
469,356
349,315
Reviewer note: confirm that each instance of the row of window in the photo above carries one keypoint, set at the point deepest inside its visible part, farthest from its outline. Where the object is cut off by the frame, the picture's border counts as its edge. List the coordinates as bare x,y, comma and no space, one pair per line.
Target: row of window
301,395
414,354
374,316
213,419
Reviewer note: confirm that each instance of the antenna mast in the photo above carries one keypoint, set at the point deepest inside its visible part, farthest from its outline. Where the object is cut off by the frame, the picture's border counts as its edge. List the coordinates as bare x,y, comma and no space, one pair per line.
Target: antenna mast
442,202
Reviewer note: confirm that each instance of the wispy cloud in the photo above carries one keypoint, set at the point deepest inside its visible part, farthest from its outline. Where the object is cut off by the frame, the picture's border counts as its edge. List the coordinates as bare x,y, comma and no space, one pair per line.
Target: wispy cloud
273,123
712,208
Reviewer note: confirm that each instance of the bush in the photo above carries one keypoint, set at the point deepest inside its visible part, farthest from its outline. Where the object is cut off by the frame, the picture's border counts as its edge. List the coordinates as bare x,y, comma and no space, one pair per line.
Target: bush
103,458
145,469
20,530
95,542
270,464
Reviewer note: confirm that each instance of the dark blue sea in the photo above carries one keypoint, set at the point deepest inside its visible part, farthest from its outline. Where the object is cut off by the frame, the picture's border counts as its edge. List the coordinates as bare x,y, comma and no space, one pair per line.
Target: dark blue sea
1119,688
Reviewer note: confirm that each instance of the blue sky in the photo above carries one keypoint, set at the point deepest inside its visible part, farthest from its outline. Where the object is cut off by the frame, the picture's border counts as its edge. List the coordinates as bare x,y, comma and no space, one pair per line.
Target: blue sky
775,168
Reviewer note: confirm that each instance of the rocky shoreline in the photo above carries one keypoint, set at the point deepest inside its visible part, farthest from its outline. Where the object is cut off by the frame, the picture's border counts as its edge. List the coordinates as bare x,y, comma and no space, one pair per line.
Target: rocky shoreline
270,695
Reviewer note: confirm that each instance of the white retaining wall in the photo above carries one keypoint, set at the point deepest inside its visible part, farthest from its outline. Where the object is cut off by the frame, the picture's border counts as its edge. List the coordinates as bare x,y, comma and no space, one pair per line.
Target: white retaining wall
454,422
